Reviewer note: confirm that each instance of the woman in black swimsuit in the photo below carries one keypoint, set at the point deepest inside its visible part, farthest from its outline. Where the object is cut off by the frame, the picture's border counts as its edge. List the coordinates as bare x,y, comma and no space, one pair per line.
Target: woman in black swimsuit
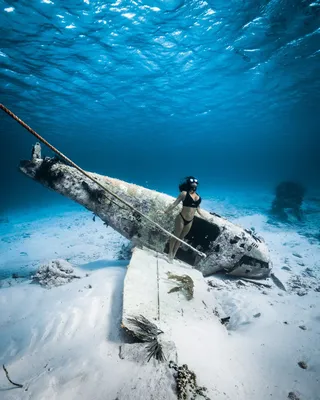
191,204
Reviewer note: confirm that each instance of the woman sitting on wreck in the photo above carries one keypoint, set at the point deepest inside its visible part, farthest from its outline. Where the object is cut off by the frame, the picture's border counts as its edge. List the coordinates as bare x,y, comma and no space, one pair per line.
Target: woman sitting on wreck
183,223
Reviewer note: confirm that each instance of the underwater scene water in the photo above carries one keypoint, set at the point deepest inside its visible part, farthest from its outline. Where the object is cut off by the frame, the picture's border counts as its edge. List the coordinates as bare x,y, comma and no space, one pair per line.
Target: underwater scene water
149,92
152,91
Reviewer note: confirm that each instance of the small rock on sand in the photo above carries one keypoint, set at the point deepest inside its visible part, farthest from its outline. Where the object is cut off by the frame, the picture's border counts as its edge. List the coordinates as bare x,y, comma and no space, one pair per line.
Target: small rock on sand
302,365
302,327
293,396
297,255
309,272
225,320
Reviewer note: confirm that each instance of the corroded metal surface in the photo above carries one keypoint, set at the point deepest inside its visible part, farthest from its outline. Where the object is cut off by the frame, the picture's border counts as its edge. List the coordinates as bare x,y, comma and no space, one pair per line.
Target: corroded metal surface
228,247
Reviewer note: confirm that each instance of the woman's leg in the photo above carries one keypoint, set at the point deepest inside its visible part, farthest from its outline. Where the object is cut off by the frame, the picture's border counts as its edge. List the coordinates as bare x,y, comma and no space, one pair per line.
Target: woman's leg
183,234
178,228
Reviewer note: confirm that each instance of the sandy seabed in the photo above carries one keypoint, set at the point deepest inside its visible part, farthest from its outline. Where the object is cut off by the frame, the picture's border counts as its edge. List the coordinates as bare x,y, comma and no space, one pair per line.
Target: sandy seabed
63,343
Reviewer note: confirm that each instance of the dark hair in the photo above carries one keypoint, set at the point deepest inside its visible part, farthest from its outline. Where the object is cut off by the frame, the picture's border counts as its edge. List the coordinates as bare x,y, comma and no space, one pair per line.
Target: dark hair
185,185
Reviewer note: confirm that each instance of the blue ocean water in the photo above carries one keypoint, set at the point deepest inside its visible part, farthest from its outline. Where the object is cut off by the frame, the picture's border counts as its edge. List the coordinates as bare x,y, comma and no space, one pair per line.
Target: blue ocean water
151,91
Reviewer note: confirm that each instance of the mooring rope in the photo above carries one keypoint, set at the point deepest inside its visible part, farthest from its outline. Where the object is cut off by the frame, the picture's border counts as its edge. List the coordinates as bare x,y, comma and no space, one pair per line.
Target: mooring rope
66,159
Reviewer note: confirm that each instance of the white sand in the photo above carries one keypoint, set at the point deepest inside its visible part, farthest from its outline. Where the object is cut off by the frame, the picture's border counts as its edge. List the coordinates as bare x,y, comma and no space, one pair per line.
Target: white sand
63,343
38,236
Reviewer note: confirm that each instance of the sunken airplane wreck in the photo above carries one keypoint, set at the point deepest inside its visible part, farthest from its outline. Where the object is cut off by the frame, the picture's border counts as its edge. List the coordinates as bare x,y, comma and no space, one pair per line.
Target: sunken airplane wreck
228,247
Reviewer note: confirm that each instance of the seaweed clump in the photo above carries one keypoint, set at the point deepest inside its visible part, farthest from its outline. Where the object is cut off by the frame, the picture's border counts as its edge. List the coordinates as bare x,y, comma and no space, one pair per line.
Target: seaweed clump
185,284
146,331
186,382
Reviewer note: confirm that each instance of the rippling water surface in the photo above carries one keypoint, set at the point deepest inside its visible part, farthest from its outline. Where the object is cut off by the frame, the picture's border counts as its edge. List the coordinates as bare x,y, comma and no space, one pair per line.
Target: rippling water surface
150,91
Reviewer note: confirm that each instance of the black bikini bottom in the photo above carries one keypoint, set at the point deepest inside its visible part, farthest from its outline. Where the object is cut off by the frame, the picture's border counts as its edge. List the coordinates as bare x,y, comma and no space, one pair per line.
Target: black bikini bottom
185,222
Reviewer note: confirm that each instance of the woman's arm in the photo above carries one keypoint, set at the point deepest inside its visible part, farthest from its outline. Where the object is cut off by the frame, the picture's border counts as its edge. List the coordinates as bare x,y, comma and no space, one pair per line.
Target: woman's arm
180,198
200,213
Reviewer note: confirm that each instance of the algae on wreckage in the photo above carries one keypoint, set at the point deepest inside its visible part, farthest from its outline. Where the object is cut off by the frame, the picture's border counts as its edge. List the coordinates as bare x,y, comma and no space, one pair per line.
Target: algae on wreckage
146,331
186,382
185,284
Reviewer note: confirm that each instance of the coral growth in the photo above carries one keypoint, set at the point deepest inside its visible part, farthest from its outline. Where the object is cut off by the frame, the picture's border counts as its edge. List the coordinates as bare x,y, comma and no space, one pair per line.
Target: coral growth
146,331
55,273
186,381
155,350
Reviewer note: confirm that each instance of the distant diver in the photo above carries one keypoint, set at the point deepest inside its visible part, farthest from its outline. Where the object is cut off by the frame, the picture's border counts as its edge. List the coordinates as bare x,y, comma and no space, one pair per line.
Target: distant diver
183,222
289,195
